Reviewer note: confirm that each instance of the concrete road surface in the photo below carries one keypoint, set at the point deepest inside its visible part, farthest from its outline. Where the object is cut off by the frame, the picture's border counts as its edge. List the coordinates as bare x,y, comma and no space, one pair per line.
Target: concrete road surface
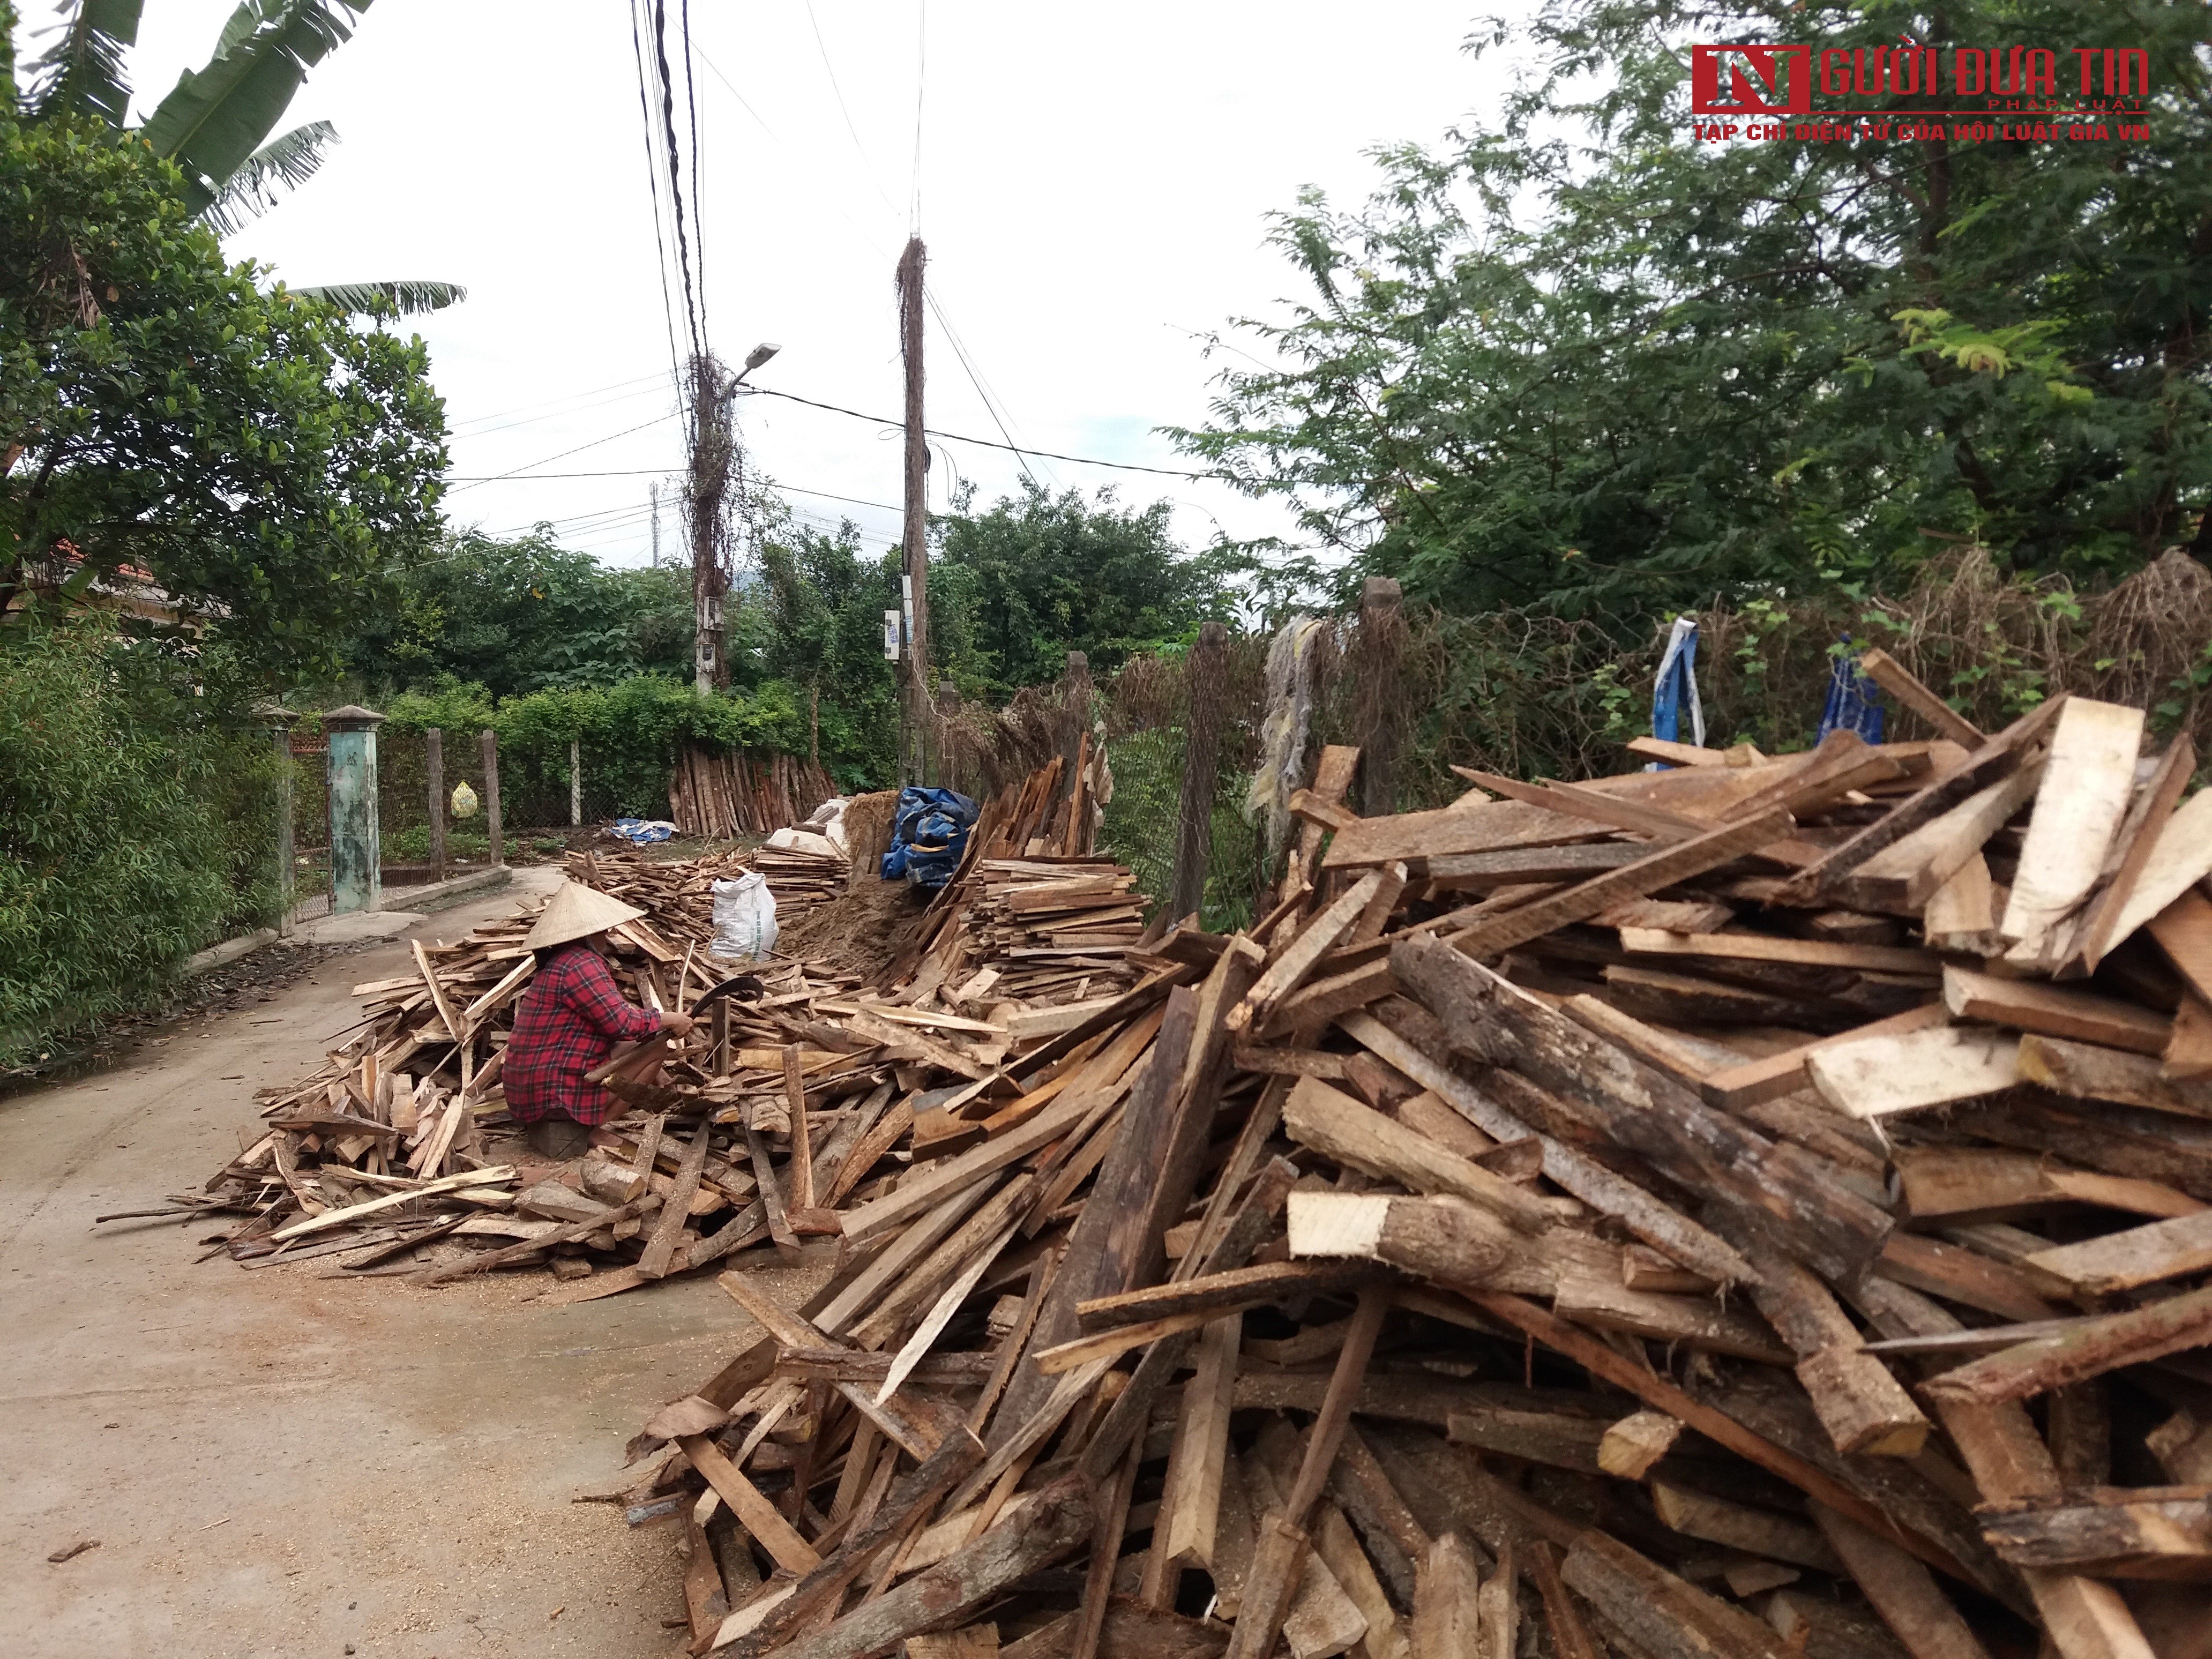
278,1462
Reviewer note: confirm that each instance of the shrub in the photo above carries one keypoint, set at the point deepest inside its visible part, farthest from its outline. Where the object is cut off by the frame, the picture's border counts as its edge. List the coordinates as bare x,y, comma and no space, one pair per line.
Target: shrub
131,830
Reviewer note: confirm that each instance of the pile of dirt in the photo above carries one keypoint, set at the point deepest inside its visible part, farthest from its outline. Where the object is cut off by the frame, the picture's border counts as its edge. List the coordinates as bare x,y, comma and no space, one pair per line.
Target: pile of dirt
868,835
860,931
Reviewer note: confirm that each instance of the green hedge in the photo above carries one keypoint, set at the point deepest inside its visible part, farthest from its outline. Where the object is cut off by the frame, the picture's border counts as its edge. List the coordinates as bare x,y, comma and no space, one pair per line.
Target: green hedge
136,826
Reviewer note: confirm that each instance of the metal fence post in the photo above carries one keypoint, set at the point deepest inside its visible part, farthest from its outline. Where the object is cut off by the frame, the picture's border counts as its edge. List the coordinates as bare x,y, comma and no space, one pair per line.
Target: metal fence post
357,853
434,763
1382,639
575,783
1204,674
279,719
491,795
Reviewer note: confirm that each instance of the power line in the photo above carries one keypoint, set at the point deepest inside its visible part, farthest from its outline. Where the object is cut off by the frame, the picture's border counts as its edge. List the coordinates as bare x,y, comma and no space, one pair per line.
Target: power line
562,414
593,391
653,186
959,438
594,444
860,149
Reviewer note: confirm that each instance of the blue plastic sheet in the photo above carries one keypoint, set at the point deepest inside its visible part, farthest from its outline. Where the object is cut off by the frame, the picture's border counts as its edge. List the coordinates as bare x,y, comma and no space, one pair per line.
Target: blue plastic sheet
1854,704
929,832
641,832
1676,687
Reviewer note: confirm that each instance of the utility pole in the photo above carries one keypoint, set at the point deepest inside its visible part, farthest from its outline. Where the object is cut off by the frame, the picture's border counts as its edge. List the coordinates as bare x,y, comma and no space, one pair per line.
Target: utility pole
703,497
914,543
652,491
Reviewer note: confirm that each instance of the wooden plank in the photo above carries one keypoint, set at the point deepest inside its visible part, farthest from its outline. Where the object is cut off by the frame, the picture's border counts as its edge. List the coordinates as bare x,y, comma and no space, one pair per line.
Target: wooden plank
2135,1256
1892,677
2132,846
1213,1294
1333,1123
2187,1056
676,1207
1628,1448
1991,761
801,1171
2179,858
1644,1216
2184,932
1444,1624
1483,872
1950,1182
1961,915
1289,970
1906,874
1481,827
1764,947
2085,1071
2156,1532
1664,1616
754,1512
1757,1081
1056,1524
2089,1349
1874,1075
1662,868
2054,1010
2087,783
1338,1548
1660,1394
455,1024
1900,1590
1740,1526
494,1177
911,1198
1191,1498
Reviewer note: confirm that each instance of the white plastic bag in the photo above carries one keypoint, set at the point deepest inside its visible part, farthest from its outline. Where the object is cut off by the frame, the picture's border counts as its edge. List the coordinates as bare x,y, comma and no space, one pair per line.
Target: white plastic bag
745,920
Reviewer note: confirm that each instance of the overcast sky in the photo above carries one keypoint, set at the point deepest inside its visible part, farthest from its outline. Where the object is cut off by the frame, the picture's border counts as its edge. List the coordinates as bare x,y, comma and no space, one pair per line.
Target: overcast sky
1093,184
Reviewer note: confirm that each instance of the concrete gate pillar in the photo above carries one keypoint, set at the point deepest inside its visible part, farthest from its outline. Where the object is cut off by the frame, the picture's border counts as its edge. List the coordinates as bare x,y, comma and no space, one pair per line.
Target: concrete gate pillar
356,858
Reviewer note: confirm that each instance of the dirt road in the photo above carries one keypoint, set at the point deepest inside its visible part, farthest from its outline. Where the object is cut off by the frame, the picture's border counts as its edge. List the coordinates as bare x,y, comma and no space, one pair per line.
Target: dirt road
276,1461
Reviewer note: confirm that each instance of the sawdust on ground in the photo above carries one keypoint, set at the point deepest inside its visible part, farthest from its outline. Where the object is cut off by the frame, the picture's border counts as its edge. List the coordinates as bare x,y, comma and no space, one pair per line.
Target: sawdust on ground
861,932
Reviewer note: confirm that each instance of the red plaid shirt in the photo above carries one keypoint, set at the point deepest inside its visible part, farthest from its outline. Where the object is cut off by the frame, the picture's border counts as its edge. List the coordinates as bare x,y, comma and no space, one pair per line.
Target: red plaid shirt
570,1019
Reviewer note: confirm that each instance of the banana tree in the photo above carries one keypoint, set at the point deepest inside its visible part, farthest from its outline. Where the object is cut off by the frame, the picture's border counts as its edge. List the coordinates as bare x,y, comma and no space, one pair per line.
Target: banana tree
214,124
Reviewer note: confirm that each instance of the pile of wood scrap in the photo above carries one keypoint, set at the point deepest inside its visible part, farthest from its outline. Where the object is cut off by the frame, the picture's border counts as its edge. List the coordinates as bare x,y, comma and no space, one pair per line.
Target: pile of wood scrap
1760,1207
749,1131
1033,915
722,795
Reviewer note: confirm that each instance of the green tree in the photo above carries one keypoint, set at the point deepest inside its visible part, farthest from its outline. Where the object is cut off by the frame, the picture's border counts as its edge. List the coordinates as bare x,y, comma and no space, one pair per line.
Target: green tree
524,615
214,123
817,626
1582,361
1014,589
252,450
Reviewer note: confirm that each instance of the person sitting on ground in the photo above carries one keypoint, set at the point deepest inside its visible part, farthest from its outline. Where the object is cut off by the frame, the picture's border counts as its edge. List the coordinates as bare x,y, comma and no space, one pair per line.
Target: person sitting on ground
570,1021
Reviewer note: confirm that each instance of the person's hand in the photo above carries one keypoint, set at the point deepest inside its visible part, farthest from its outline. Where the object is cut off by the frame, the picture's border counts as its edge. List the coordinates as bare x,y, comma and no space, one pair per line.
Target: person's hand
677,1025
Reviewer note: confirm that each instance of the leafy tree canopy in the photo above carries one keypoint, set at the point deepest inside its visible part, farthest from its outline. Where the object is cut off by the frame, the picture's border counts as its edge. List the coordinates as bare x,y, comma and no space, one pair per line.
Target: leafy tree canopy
1579,360
1014,589
253,450
524,615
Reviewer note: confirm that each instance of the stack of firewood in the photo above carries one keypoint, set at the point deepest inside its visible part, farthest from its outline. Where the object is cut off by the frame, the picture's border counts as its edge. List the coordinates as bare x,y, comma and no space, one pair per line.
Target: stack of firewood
1758,1207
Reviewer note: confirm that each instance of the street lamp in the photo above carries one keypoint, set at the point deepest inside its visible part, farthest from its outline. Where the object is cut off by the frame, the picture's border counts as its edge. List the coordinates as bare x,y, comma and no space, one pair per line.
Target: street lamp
759,355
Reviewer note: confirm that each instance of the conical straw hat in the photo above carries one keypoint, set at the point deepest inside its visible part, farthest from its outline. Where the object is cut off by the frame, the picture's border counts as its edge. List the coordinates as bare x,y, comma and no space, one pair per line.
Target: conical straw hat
575,911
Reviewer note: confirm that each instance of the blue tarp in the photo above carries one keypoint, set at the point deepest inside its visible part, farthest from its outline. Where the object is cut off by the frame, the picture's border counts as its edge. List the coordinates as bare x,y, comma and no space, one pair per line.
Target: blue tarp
928,834
1854,704
1677,686
641,832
